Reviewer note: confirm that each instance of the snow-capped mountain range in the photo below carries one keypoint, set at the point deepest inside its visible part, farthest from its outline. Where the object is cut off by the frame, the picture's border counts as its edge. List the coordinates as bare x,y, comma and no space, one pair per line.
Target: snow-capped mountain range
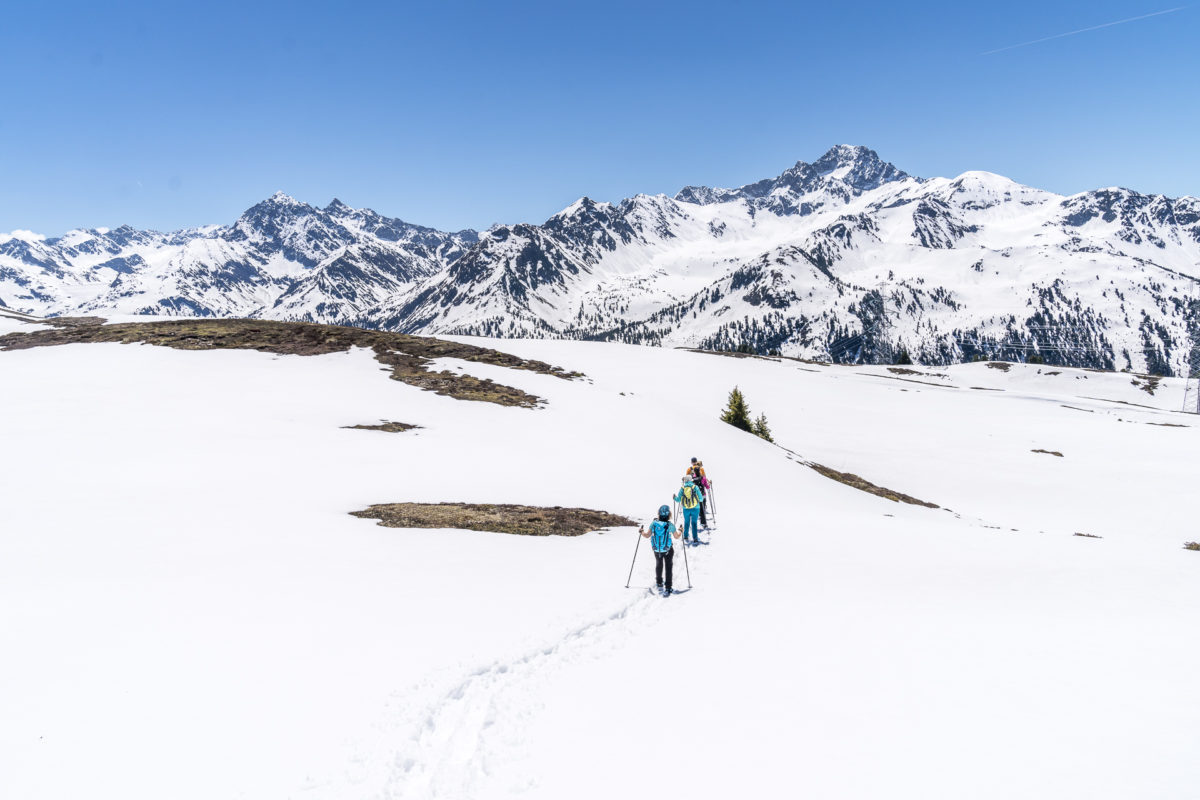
846,258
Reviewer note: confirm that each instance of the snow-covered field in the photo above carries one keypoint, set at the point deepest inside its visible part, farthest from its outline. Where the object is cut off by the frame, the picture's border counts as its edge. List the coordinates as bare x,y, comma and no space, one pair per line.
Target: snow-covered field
187,609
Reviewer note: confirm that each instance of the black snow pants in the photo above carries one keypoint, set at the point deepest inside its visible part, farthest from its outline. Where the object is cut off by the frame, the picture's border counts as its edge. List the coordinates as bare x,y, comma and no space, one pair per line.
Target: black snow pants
663,558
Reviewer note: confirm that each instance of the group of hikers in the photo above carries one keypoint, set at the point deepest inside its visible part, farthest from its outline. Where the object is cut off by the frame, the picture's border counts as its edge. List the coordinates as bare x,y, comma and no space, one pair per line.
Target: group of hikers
693,499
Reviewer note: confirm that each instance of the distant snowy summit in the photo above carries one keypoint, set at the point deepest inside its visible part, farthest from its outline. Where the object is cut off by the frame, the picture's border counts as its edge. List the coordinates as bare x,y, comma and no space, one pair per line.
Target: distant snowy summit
847,258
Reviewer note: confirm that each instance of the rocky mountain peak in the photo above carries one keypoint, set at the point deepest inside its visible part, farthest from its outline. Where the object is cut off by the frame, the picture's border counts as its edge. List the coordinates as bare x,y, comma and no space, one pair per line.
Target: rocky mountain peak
854,166
860,167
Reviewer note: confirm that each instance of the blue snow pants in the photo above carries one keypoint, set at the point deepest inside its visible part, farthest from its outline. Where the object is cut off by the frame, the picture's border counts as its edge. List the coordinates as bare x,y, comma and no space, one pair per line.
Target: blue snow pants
691,521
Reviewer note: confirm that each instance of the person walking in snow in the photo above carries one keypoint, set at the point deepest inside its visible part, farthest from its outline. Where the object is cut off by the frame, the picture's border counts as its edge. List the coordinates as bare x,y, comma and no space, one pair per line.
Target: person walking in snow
700,479
660,533
689,498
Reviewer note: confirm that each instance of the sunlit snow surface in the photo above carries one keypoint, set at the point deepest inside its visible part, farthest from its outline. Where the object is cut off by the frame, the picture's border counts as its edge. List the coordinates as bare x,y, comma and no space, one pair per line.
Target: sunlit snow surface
188,611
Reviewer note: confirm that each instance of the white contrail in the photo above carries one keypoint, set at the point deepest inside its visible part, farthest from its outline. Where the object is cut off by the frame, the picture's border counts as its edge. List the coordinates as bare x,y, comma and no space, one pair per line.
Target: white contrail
1084,30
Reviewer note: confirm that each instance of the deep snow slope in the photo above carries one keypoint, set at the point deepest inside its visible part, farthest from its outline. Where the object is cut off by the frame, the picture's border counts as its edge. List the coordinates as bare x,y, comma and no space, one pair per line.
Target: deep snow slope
189,611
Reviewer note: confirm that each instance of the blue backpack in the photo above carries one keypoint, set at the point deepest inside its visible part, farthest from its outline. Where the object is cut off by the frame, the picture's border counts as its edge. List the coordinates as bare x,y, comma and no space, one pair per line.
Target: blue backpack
660,536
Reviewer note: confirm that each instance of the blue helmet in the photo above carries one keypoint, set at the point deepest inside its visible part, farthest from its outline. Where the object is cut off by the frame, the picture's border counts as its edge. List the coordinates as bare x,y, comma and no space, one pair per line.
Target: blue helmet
664,512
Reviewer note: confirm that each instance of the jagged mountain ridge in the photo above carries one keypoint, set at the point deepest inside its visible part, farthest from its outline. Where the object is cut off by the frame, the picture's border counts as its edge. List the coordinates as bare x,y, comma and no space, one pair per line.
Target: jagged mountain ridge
847,258
281,259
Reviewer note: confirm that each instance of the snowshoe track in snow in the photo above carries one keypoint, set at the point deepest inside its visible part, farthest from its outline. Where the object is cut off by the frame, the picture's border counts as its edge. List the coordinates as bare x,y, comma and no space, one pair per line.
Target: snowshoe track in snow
475,727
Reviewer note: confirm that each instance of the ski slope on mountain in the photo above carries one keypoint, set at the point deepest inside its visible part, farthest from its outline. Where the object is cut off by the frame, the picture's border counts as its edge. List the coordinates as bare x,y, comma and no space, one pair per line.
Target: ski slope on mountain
191,612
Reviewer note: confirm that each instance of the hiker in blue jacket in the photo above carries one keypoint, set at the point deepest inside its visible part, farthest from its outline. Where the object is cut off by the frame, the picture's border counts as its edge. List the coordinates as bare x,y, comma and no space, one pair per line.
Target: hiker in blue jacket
660,533
689,498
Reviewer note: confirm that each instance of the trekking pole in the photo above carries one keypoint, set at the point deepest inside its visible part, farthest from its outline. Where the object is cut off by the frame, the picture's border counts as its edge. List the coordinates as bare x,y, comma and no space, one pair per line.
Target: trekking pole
685,564
631,563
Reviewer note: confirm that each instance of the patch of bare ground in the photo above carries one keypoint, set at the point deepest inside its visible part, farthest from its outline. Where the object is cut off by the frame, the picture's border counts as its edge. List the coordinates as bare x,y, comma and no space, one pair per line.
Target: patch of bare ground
986,389
923,383
1147,383
1191,545
385,426
1088,535
1122,402
1168,424
907,371
736,354
408,357
1003,366
519,520
1047,452
72,322
18,315
863,485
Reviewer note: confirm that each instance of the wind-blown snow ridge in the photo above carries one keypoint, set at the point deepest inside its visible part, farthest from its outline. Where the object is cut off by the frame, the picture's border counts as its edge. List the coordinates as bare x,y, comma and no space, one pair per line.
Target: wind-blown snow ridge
847,258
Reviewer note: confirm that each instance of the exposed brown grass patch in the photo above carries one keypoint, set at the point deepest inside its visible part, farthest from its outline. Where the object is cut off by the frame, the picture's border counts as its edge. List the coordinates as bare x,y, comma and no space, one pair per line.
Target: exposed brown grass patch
907,371
1047,452
1147,383
520,520
735,354
923,383
385,426
864,485
1003,366
407,356
1122,402
1087,535
72,322
1191,545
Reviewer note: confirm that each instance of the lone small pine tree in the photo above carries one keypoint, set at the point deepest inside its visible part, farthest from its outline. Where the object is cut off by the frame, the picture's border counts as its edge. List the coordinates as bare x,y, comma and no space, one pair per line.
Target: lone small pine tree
761,429
737,413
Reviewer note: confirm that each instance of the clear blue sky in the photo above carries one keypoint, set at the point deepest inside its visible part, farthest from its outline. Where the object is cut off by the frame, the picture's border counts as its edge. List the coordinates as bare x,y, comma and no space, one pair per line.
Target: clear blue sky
456,114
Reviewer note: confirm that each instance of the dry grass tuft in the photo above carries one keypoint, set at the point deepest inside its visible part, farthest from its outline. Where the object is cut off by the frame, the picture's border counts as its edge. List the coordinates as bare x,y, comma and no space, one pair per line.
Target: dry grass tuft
520,520
407,356
864,485
385,426
1147,383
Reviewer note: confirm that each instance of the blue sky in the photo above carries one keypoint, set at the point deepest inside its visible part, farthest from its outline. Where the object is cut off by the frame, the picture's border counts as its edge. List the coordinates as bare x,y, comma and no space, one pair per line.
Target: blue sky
456,114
